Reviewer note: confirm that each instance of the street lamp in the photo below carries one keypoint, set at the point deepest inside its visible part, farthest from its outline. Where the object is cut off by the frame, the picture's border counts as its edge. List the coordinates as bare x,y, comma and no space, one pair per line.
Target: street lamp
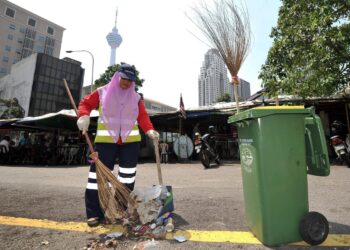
93,60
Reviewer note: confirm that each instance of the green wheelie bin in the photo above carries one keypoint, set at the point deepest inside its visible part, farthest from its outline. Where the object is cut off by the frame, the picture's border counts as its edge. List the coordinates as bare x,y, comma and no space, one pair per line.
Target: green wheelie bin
279,146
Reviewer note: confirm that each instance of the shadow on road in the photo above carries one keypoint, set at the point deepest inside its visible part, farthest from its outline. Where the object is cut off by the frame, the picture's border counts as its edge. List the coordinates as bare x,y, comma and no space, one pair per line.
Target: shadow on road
336,228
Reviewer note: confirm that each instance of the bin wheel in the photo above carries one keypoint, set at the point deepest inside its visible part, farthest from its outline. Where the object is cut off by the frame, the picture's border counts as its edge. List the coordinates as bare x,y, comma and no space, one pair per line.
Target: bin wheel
314,228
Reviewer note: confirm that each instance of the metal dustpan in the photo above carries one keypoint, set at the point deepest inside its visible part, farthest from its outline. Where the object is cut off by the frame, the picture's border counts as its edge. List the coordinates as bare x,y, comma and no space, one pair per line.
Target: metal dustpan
168,205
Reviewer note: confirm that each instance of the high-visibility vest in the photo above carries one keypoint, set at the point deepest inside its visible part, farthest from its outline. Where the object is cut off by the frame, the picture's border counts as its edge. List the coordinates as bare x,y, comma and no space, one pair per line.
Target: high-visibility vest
102,134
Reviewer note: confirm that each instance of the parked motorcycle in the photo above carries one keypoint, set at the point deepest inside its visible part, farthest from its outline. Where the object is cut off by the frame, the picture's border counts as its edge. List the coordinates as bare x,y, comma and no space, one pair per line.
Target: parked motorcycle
340,143
205,148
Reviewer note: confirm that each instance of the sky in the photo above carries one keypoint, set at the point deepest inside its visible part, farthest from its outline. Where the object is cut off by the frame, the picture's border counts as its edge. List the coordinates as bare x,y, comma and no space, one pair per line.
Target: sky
157,38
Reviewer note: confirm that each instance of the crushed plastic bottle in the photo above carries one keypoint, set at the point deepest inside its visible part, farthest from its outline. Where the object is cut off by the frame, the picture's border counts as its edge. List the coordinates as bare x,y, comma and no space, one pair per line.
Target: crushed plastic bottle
169,226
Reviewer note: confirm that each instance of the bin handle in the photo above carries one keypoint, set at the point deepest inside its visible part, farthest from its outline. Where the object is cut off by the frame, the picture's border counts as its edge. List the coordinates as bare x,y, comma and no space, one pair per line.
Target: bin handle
308,132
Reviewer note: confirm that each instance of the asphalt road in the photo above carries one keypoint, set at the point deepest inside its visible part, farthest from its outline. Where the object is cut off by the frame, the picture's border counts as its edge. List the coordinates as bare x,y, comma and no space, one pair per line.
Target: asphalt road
204,200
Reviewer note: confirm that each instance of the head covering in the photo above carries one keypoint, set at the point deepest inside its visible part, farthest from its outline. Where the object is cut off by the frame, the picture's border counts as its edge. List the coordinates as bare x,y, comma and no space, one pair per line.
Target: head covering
119,108
127,72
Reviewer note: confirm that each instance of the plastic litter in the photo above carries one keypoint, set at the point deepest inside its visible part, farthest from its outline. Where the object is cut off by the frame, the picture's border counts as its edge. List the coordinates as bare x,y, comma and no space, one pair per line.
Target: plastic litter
145,245
180,238
169,226
114,235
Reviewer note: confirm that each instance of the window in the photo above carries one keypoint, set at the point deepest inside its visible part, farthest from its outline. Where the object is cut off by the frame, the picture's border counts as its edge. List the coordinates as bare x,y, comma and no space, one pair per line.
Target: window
10,36
39,49
2,70
22,30
30,33
5,59
10,12
31,22
26,53
12,26
50,30
50,41
8,48
49,51
28,44
41,39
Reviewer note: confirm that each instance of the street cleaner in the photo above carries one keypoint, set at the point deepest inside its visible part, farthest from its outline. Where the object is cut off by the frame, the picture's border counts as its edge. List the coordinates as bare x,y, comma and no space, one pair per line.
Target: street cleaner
121,114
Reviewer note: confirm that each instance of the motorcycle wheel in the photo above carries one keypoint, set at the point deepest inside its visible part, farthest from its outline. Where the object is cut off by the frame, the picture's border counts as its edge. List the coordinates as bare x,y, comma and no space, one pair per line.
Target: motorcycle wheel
217,160
314,228
204,157
345,157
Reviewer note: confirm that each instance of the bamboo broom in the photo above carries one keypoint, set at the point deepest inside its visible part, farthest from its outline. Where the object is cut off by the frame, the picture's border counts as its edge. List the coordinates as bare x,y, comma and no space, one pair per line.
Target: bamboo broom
113,195
227,29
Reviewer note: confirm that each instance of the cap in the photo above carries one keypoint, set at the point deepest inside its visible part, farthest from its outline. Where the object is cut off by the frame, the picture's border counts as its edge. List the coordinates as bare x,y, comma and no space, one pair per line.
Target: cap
127,72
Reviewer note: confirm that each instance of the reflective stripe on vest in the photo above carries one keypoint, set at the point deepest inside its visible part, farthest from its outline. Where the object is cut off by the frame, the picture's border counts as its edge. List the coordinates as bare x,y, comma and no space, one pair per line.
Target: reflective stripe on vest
102,134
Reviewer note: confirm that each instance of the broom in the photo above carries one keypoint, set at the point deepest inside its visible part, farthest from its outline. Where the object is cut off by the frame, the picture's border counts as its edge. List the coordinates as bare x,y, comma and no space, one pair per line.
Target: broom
227,29
113,195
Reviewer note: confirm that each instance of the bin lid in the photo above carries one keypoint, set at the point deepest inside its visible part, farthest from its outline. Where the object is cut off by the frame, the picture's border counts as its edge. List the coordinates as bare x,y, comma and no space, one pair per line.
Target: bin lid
266,111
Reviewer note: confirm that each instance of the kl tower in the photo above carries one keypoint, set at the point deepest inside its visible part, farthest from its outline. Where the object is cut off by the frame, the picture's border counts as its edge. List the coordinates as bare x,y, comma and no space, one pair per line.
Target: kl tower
114,40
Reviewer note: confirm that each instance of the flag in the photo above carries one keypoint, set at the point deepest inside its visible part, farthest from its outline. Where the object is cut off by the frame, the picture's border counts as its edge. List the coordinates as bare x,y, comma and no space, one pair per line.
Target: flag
182,108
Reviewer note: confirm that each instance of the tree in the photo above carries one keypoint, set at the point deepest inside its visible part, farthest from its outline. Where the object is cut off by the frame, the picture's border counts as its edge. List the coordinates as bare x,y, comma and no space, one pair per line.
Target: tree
14,109
107,76
224,98
310,55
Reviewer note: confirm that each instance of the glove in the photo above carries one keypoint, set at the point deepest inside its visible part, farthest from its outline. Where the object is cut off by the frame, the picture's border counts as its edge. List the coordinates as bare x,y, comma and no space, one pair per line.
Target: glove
154,135
83,123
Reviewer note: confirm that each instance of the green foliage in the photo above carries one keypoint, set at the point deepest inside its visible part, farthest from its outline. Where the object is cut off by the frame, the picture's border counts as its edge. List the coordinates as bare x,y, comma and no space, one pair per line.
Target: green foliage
224,98
14,109
107,76
310,55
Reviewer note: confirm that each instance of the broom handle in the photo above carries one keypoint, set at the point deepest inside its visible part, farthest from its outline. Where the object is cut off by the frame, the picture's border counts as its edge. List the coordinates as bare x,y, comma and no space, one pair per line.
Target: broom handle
87,138
156,151
235,92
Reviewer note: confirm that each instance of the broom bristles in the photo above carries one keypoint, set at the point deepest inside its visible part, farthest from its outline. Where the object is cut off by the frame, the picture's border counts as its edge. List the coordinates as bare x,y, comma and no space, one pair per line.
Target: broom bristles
227,29
114,197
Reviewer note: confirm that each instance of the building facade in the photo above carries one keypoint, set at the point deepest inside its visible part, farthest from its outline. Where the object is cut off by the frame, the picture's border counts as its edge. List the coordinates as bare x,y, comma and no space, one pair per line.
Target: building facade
23,33
243,90
157,107
214,83
37,83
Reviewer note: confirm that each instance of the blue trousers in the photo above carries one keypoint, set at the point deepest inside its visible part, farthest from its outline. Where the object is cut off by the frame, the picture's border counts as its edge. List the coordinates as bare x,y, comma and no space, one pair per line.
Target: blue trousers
108,153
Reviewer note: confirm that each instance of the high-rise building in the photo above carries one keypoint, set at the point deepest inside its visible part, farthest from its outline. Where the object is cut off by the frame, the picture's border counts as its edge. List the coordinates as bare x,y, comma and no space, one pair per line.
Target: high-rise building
114,40
243,90
23,33
214,83
36,82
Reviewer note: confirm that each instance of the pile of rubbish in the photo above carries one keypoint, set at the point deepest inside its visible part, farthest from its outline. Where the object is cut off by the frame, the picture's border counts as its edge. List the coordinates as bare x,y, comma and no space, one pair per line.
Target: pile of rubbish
150,217
152,211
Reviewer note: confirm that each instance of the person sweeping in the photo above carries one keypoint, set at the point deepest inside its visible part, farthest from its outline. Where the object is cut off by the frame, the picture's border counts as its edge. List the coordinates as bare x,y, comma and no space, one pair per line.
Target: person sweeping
122,113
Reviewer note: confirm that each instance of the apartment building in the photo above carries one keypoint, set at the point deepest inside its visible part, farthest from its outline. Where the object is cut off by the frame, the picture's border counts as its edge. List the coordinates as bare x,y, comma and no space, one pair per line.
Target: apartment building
23,33
213,81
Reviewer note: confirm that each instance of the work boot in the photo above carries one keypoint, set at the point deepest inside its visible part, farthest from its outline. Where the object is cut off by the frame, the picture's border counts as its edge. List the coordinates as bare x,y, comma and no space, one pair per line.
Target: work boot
93,222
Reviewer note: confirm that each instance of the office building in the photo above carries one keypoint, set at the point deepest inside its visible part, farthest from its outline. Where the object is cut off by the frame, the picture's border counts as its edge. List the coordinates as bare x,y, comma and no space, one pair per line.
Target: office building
36,82
23,33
